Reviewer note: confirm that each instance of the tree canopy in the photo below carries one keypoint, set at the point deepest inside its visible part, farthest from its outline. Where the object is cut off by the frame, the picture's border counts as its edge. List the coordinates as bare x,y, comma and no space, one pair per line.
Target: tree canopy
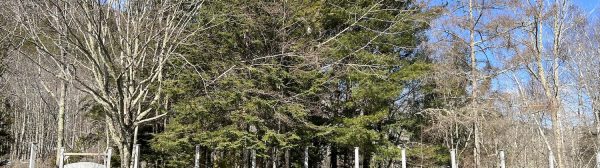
271,76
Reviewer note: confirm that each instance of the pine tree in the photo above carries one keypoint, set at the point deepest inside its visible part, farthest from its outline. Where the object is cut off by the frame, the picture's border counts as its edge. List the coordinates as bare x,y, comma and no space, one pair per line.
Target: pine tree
372,61
275,76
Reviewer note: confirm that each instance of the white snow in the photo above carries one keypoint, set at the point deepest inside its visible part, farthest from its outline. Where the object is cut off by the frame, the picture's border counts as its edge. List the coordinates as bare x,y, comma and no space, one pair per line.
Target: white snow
84,165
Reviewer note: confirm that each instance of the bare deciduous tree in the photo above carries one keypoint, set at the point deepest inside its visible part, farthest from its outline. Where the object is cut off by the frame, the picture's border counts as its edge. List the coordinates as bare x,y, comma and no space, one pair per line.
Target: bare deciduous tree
115,51
551,88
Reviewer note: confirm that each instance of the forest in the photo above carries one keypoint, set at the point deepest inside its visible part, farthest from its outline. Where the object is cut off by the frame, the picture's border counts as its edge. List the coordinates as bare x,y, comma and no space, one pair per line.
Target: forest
300,83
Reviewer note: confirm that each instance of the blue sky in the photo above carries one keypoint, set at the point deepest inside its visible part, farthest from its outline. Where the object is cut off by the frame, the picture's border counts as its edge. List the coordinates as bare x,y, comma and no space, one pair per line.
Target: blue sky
591,6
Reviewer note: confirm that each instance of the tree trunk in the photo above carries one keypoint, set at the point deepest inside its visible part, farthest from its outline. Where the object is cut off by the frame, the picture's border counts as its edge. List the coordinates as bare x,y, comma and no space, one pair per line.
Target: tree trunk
366,160
556,103
474,85
61,105
334,158
208,158
274,157
287,158
556,129
553,99
125,154
326,162
245,158
61,121
124,141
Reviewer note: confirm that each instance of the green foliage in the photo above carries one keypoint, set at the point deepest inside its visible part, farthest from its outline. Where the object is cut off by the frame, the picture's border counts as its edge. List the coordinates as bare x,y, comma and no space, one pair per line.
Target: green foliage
264,75
371,70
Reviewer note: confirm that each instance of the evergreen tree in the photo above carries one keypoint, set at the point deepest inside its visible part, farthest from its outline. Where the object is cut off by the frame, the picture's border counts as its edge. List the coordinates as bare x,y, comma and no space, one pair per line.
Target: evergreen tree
373,64
275,76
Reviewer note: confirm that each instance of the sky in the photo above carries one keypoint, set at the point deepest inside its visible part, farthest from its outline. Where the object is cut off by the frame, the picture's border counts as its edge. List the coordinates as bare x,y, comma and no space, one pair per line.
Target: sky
590,6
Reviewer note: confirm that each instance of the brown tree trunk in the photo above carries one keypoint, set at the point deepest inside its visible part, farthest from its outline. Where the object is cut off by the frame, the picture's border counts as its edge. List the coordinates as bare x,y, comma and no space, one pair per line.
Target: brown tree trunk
287,158
125,152
552,98
61,102
334,158
123,138
474,85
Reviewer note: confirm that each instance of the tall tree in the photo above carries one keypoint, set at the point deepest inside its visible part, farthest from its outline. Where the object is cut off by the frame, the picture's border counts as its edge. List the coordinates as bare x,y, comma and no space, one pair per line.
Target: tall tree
373,61
551,88
584,65
471,32
118,54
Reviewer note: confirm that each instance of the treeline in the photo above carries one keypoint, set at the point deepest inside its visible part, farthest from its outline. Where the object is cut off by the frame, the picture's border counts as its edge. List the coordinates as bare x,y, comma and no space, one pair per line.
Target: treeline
245,80
266,82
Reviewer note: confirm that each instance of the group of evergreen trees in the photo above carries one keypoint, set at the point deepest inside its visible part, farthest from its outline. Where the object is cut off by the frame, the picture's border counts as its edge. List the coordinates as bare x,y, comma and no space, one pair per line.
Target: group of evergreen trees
268,79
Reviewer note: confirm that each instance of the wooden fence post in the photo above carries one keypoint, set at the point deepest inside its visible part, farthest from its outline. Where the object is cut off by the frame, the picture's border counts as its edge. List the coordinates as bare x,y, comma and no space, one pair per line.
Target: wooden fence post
356,158
502,161
136,156
453,158
403,152
32,153
551,159
61,163
108,157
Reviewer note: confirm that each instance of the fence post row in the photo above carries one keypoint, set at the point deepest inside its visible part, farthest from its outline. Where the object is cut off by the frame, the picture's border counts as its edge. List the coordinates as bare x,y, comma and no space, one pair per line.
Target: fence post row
136,155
